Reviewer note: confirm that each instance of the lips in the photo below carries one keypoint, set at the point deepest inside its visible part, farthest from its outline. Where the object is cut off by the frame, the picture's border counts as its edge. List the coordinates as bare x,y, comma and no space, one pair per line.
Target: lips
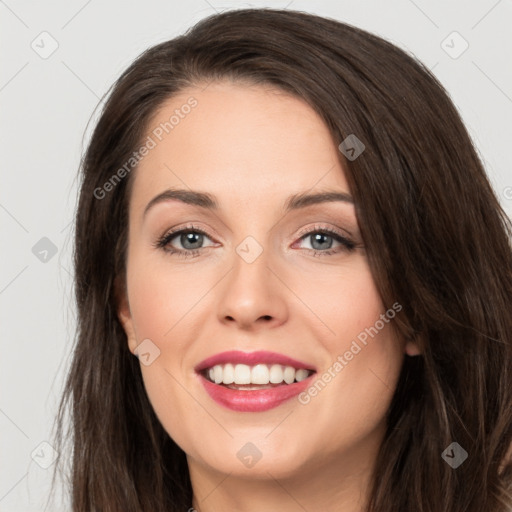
253,381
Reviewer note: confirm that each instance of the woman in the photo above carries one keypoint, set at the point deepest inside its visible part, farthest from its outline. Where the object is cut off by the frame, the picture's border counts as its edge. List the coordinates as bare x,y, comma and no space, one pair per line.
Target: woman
258,369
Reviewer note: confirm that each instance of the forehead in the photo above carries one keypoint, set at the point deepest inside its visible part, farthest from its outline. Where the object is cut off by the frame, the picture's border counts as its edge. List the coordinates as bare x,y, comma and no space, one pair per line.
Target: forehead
238,142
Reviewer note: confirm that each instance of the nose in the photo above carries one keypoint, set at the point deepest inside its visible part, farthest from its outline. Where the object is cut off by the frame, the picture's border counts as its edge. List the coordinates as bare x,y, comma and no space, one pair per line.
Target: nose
252,295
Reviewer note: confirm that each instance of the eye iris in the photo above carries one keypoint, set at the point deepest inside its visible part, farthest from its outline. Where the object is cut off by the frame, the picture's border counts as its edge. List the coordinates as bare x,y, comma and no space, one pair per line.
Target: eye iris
320,237
189,237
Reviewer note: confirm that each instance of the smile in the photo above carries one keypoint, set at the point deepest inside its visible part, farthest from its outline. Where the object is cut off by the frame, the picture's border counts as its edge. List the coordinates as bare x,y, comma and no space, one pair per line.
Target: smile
253,381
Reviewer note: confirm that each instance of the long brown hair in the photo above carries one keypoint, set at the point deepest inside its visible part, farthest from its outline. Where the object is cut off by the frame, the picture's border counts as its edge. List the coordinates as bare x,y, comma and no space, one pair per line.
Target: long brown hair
436,238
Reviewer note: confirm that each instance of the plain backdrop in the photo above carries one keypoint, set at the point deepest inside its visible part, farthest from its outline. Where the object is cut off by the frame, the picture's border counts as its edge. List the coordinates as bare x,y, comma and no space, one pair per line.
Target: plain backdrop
57,60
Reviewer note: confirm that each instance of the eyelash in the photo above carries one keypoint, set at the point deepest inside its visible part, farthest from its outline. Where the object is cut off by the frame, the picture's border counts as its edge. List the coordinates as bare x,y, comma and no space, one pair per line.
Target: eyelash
164,241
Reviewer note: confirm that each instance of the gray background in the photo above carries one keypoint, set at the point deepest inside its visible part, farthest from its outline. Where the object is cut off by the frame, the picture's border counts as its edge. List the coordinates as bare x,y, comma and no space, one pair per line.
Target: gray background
47,101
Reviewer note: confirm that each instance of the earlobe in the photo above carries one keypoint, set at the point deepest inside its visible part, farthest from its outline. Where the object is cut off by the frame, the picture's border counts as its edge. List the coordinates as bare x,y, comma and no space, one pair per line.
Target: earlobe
125,317
412,349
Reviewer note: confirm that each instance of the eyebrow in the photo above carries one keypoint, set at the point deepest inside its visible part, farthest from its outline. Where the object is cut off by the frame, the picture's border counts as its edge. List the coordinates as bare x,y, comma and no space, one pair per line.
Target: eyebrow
208,201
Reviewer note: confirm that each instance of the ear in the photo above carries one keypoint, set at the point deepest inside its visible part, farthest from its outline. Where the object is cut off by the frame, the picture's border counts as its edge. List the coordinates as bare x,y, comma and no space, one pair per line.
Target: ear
412,348
124,313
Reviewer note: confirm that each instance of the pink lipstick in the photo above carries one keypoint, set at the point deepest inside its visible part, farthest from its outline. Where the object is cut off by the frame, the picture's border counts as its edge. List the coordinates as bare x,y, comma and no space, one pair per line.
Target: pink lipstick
253,381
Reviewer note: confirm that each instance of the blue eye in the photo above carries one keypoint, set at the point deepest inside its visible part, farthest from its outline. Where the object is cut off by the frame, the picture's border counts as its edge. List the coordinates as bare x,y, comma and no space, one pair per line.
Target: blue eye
319,236
192,238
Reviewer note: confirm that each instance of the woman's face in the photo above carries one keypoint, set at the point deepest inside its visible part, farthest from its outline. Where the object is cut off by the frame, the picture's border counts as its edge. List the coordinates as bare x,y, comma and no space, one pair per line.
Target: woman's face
262,272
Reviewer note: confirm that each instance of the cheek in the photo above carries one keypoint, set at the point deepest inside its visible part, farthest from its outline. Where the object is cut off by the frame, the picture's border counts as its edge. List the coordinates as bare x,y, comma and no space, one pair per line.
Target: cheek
162,300
365,343
163,305
351,396
353,391
342,297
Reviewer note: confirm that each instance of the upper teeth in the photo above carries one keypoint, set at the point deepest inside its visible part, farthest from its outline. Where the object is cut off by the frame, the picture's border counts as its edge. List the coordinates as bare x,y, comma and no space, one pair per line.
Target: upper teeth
258,374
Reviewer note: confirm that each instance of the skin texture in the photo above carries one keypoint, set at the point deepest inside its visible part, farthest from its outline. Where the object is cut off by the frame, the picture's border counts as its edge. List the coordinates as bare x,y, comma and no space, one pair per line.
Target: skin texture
252,147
